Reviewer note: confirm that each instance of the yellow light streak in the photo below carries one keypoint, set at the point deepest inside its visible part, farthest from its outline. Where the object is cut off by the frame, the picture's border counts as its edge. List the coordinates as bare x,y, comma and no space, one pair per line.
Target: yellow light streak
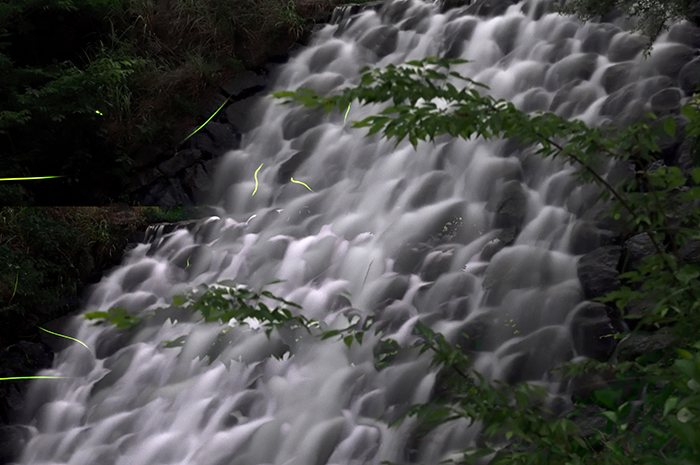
256,178
299,182
24,179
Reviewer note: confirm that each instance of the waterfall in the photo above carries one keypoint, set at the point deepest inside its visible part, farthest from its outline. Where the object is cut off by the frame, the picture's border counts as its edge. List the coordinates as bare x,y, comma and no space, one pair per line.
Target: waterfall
471,237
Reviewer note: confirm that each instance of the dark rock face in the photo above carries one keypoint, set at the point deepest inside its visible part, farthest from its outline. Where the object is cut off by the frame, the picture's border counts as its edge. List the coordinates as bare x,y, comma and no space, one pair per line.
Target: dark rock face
617,76
579,66
184,178
456,35
598,271
510,206
625,47
598,40
382,40
534,358
688,76
666,102
21,359
592,331
671,61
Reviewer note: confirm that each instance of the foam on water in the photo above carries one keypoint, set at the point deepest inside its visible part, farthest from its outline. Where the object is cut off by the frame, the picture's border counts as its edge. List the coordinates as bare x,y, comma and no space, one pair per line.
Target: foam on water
405,235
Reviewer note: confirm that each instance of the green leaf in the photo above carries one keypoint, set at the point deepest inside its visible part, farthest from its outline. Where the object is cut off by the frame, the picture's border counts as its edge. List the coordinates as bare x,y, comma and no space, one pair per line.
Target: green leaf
670,404
670,127
684,415
348,341
612,416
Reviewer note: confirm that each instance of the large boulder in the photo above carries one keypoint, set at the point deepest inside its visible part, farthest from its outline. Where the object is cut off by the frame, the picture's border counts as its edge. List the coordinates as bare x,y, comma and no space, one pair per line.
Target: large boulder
592,331
510,206
598,271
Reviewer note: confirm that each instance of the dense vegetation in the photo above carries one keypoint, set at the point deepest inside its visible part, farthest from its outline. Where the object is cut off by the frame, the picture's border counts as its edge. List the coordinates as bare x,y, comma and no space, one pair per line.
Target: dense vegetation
86,84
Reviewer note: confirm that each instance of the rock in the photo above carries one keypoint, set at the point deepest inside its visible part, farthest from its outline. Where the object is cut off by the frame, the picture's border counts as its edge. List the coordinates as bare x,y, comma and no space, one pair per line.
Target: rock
245,84
598,271
181,160
598,38
671,60
689,75
142,179
12,441
636,344
507,33
586,237
240,114
562,95
510,206
223,137
198,182
147,156
529,359
578,66
300,120
489,8
382,40
690,251
635,249
457,33
625,46
290,165
21,359
591,330
435,264
685,33
505,238
616,76
535,100
616,103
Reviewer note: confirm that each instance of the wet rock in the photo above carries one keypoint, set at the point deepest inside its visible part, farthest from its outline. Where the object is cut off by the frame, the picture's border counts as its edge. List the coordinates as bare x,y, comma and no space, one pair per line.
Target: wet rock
489,8
385,290
671,60
246,84
506,35
688,76
637,344
598,271
435,264
290,165
457,33
562,95
592,332
223,137
382,40
535,100
635,249
529,359
505,238
300,120
599,38
578,66
240,114
12,441
616,103
181,160
148,156
198,182
21,359
510,206
617,76
625,46
685,33
586,236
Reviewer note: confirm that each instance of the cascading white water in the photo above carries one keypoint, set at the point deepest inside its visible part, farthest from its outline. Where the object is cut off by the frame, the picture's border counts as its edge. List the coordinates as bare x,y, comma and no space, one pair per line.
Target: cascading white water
405,234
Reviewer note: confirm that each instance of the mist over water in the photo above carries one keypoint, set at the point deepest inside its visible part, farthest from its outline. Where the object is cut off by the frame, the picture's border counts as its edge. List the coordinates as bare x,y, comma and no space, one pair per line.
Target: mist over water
475,237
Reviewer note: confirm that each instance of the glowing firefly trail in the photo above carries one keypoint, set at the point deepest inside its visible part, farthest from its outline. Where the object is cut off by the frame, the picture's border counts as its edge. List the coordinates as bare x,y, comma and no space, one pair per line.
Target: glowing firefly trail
36,177
256,178
346,115
299,182
67,337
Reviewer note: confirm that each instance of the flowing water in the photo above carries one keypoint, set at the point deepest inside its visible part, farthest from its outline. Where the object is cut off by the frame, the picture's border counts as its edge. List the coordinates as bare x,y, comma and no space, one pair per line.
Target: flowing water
401,234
